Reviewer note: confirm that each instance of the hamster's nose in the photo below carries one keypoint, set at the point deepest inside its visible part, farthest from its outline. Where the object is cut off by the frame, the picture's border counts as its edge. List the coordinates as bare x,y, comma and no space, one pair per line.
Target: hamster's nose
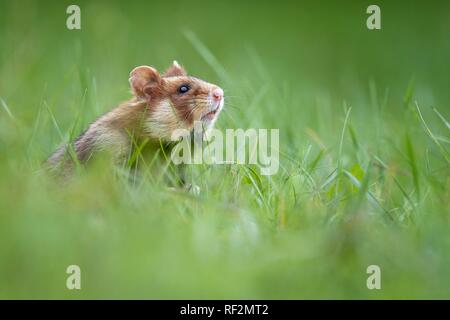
217,94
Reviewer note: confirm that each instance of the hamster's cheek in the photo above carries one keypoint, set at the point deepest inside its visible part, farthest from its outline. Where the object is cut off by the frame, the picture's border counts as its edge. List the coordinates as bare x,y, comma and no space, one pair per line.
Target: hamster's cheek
184,112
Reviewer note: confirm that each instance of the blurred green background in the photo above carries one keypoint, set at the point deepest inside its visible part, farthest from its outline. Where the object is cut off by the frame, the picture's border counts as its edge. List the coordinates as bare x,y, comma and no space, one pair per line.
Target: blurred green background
364,138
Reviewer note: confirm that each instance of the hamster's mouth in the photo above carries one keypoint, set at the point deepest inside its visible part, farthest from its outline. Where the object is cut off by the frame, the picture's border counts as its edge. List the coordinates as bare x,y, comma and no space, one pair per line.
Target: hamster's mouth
210,115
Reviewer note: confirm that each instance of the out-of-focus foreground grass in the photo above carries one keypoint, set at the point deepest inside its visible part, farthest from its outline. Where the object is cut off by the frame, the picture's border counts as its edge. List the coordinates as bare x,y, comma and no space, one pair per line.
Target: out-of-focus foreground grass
364,176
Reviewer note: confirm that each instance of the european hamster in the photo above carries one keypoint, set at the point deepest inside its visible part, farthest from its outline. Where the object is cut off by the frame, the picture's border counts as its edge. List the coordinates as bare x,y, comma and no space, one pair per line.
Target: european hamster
160,104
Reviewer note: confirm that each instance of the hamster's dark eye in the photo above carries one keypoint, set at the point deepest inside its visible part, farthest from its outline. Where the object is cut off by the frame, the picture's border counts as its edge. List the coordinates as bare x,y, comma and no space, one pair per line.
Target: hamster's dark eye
183,89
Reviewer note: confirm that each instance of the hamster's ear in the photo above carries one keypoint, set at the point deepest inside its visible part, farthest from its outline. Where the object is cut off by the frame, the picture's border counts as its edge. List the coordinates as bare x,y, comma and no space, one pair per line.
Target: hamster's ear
141,77
175,70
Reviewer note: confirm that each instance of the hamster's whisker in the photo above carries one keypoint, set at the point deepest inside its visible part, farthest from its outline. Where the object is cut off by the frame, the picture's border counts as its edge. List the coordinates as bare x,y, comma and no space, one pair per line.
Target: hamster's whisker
192,110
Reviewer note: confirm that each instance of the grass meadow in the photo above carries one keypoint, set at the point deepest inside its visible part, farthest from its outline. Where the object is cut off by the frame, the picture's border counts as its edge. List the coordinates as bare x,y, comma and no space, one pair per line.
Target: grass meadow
364,173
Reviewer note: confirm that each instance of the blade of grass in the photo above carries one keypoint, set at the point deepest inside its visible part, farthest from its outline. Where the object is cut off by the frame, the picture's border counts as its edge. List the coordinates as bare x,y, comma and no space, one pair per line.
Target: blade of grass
341,145
409,92
413,163
363,191
397,183
443,151
6,108
447,124
207,55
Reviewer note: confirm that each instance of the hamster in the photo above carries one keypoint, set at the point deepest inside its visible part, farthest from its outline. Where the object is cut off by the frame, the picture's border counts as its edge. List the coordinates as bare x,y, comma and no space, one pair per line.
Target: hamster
160,105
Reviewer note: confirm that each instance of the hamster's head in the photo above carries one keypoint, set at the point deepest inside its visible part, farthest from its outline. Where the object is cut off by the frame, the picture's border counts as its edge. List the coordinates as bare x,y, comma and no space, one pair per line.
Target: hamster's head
175,100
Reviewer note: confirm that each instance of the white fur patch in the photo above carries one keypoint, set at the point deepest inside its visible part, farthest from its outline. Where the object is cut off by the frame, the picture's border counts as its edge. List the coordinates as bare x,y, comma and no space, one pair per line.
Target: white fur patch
162,121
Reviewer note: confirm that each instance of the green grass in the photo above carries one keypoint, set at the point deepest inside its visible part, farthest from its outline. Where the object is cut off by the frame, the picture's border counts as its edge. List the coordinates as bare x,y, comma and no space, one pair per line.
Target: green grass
364,149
